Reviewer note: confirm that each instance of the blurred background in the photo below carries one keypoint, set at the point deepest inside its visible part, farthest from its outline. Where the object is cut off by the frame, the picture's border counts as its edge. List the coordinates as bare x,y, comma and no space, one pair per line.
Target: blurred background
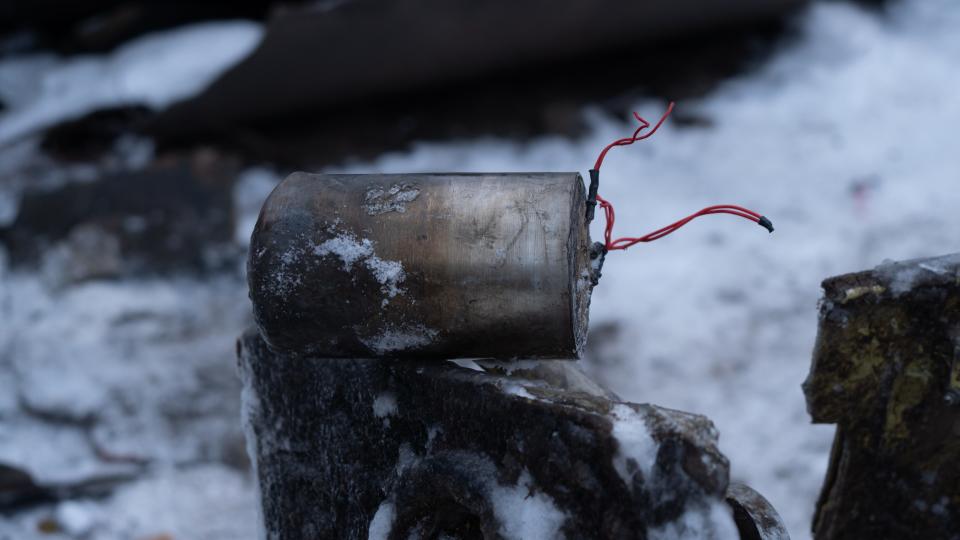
138,140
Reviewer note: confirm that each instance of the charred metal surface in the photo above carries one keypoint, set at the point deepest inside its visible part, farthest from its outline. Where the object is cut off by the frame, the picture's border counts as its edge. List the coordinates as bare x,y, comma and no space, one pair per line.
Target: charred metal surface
755,517
885,370
423,265
371,448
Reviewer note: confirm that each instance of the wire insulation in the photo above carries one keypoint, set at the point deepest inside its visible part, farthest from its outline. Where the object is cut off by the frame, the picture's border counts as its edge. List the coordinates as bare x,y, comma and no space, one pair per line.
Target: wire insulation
612,244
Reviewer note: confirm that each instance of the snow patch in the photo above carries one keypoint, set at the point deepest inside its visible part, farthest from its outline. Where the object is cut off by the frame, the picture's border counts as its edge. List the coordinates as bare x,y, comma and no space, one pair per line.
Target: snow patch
155,70
208,501
584,281
382,522
524,512
282,281
406,458
78,518
635,444
467,363
389,274
710,522
351,250
515,389
145,363
347,247
903,277
385,405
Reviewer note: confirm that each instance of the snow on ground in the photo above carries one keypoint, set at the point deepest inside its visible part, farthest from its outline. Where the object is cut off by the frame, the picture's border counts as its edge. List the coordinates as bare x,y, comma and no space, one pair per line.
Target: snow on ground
844,139
154,70
137,365
204,502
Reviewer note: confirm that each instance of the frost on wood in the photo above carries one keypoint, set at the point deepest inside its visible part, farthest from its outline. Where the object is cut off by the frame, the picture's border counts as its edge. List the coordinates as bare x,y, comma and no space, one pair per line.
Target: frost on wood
637,451
524,511
701,522
886,370
903,277
250,411
432,449
382,522
385,405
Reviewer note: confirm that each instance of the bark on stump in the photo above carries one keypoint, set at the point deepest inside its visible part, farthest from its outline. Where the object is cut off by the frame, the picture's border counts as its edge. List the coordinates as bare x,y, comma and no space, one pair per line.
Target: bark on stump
368,448
886,370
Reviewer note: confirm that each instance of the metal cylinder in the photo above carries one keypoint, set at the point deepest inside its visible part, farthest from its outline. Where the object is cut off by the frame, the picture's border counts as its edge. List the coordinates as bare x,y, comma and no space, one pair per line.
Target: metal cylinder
424,265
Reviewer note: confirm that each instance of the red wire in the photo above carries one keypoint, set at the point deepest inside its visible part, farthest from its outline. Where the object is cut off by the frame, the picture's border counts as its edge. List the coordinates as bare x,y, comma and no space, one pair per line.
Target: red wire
625,242
630,140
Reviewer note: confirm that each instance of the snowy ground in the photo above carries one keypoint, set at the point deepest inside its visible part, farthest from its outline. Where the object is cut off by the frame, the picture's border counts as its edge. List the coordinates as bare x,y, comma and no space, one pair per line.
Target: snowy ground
844,139
154,70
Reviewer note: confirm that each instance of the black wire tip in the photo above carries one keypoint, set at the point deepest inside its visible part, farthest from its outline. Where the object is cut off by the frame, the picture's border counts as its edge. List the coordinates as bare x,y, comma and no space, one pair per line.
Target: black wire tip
765,223
592,194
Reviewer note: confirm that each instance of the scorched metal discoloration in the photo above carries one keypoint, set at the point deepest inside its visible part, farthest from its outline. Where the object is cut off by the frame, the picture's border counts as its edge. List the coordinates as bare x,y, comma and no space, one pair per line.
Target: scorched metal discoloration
425,265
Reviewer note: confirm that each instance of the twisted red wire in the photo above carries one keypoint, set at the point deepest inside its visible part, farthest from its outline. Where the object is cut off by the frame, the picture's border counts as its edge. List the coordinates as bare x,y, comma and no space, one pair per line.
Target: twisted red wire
610,216
630,140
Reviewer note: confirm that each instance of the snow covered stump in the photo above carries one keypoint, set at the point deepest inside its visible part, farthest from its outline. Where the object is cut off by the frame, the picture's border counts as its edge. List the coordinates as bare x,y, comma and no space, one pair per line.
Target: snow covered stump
886,370
358,425
374,449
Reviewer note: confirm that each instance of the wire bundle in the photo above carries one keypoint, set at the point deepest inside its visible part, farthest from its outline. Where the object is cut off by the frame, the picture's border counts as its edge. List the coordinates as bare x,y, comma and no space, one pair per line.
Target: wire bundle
611,244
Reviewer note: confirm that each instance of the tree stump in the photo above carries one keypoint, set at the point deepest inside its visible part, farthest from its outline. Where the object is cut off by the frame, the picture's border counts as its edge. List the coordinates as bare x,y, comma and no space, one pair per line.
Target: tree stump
886,370
367,448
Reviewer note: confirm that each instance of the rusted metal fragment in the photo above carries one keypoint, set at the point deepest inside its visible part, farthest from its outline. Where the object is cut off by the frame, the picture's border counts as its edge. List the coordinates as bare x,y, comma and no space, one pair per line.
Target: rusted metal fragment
423,265
885,371
377,449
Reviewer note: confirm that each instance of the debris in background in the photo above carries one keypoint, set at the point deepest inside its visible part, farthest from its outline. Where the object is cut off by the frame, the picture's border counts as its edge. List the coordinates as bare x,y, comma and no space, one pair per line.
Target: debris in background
174,215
